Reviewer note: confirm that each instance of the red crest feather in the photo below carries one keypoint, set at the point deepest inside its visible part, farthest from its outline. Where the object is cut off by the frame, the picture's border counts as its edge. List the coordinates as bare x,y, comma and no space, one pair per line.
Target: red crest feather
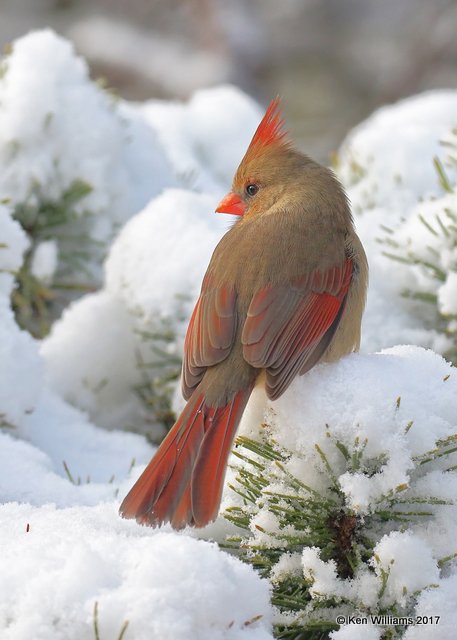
270,130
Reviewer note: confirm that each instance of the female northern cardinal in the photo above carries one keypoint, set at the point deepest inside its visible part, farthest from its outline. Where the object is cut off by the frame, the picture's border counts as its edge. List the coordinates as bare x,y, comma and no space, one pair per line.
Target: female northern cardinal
285,289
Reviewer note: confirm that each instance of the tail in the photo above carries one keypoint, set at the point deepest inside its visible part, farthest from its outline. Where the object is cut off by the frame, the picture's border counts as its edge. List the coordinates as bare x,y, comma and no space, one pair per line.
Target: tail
183,482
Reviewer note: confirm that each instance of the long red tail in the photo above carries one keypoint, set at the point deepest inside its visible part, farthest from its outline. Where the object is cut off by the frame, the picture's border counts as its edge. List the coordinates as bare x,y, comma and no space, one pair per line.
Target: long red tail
183,482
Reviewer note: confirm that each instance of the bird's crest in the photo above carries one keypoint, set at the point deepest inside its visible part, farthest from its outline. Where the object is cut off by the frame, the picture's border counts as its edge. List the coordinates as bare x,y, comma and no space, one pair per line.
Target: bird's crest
271,129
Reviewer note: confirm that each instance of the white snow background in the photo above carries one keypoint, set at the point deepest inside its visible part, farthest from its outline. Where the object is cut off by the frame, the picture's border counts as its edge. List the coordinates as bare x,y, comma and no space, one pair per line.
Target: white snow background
157,171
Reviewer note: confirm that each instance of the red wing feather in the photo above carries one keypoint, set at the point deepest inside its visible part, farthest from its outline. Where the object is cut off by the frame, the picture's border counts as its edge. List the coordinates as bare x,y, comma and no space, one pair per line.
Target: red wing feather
210,333
289,326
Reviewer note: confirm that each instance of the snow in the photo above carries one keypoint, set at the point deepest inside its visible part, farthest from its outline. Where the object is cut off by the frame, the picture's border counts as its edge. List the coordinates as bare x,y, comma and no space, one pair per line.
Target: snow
357,398
46,143
153,274
156,172
20,369
90,359
162,253
20,366
68,530
390,408
61,476
386,164
323,574
364,588
84,555
44,260
206,138
288,564
12,247
379,159
432,603
47,146
447,294
397,554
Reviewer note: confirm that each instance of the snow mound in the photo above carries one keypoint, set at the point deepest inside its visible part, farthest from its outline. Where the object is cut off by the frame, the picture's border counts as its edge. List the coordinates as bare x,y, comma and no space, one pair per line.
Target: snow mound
65,141
161,254
371,399
379,432
95,355
60,480
90,359
387,166
165,585
46,143
387,160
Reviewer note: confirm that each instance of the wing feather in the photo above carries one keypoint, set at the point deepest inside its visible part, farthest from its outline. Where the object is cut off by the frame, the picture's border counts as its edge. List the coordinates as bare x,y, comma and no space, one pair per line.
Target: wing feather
210,333
286,331
289,326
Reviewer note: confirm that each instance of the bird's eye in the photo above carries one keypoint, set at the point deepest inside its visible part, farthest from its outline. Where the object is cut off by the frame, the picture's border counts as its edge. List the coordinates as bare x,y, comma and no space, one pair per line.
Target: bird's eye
251,189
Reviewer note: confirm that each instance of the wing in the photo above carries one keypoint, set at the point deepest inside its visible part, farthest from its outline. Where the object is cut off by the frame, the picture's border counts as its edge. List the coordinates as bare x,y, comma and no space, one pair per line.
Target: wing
289,326
210,333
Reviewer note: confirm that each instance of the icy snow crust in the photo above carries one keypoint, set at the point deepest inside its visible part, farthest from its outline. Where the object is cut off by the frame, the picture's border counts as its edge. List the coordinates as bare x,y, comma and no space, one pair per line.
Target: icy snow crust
157,171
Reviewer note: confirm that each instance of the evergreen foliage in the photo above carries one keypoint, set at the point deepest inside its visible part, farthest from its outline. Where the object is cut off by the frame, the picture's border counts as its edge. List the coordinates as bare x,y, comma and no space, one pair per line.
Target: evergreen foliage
280,516
441,229
159,362
36,303
160,368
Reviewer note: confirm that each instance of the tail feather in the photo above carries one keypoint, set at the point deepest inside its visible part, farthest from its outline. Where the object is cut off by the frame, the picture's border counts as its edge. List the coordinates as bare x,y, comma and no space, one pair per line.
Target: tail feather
185,436
209,469
183,482
183,516
188,446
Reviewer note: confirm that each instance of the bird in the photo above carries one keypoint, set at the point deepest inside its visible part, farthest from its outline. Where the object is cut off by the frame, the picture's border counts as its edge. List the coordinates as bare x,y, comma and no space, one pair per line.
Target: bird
285,289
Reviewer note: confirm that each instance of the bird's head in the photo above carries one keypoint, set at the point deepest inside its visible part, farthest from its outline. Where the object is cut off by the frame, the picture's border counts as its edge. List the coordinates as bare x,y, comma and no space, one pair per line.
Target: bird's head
270,166
275,178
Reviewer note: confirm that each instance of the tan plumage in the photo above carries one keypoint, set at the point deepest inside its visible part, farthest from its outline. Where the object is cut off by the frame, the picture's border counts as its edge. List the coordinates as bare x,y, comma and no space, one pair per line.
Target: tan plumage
285,289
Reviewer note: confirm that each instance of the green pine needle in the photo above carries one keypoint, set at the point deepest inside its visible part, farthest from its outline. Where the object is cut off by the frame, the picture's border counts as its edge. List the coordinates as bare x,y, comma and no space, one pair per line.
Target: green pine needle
35,304
300,517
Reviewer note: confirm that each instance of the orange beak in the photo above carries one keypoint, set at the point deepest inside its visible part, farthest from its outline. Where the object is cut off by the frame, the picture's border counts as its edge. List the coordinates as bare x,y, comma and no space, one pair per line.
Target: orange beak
231,204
